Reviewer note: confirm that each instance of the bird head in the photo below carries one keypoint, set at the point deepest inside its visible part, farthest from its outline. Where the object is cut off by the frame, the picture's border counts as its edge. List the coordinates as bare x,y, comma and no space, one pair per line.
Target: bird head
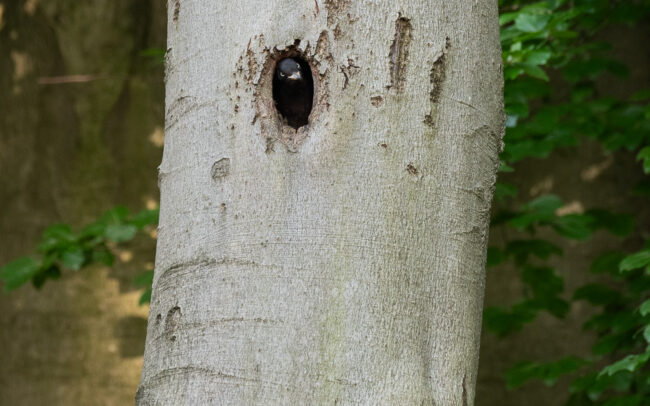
289,70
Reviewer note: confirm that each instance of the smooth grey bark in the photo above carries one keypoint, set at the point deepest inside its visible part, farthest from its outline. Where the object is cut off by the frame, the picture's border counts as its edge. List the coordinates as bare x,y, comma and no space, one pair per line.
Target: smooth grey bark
342,263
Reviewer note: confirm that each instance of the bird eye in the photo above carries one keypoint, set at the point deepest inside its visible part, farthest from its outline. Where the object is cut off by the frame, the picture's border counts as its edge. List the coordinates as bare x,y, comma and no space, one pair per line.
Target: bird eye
293,91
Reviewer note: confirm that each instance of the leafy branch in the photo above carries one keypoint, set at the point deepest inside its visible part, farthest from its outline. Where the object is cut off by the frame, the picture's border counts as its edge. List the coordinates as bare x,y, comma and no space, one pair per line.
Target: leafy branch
62,249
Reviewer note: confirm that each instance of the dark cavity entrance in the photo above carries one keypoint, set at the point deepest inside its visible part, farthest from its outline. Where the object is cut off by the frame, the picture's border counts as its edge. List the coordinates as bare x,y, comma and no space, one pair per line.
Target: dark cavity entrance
293,90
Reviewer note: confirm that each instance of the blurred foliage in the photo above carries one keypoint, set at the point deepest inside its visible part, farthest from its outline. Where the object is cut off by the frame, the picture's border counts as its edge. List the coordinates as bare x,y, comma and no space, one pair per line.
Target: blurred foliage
540,40
555,38
62,249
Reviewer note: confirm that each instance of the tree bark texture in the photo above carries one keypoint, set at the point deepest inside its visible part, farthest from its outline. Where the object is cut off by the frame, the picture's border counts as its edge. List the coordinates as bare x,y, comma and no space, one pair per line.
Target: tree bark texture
342,263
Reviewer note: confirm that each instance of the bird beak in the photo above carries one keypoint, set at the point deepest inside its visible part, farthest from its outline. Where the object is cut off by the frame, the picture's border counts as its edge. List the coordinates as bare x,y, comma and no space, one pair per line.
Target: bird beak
295,76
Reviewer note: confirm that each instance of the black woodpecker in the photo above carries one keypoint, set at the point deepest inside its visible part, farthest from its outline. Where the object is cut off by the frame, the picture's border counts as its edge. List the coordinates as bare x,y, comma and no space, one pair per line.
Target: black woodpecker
293,90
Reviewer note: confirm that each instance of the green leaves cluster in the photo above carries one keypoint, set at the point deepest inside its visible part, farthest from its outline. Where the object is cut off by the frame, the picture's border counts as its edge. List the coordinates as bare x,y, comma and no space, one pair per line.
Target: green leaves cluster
543,210
543,285
62,249
551,63
552,36
622,326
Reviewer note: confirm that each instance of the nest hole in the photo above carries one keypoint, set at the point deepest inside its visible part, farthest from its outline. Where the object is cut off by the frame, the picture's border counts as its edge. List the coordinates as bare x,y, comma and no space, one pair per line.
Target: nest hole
293,90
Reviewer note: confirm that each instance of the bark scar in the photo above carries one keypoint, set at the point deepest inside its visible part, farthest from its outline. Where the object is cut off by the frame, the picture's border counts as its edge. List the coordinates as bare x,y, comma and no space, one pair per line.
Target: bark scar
171,322
399,50
220,168
437,78
465,390
348,71
177,10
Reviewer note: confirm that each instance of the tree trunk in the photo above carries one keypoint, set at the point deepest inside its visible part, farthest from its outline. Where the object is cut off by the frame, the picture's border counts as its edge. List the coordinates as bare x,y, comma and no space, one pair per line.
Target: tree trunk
343,262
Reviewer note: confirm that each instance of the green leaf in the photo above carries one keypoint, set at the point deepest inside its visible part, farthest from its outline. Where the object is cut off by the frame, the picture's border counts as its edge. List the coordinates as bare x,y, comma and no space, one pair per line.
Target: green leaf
594,385
152,52
103,256
646,334
93,230
617,224
56,236
574,226
549,373
17,272
541,209
538,57
635,261
597,294
504,190
644,309
641,95
613,321
543,280
644,155
59,232
607,262
546,285
522,249
546,204
505,18
145,218
534,71
494,257
73,258
145,279
504,167
503,322
630,363
120,232
53,272
145,297
607,344
156,54
531,22
116,215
